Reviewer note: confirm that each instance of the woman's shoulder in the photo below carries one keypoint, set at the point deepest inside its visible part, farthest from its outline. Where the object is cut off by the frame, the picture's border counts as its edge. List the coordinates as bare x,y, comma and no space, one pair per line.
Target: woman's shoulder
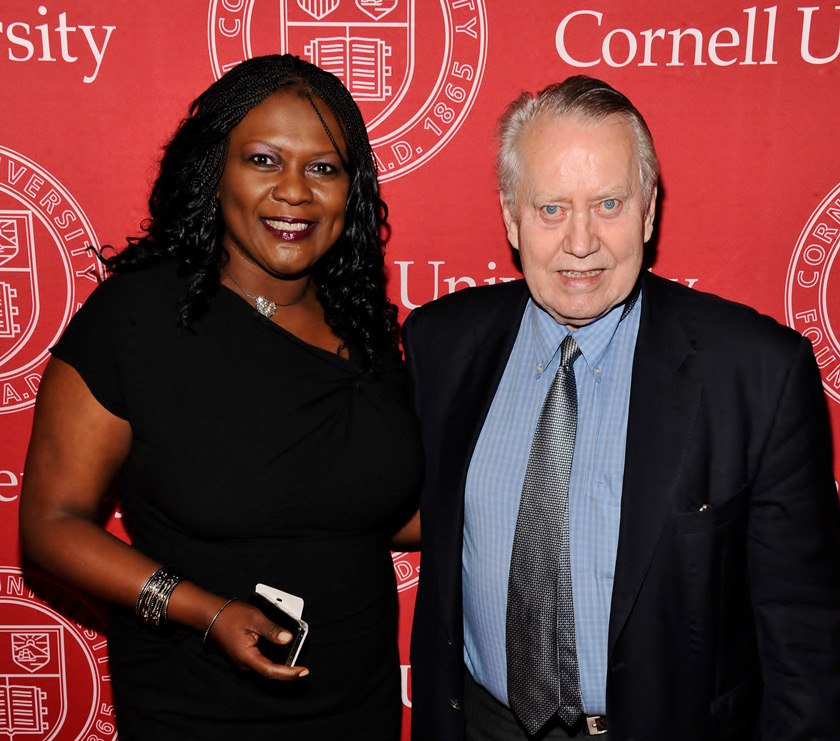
159,276
143,288
124,296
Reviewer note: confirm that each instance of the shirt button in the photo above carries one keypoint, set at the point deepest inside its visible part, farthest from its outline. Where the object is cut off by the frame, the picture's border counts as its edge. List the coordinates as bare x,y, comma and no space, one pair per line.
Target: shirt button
454,703
597,371
540,368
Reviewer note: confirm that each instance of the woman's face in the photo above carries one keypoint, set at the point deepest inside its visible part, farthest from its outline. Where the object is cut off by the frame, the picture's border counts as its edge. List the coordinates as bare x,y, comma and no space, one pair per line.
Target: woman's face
283,189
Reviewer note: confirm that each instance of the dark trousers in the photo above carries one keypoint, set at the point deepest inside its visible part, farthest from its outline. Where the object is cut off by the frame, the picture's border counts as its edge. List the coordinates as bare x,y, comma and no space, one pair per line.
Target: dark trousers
488,720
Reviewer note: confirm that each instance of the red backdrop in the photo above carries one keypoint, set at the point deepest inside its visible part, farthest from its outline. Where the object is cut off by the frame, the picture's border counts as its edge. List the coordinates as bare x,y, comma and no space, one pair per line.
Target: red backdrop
742,100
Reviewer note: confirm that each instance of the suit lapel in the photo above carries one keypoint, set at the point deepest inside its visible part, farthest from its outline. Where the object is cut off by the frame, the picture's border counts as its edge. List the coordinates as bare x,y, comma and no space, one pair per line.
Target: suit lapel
664,400
494,334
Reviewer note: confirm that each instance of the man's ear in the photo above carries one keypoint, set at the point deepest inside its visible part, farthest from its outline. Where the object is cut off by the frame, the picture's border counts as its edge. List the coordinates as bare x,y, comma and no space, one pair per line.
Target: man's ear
650,215
511,225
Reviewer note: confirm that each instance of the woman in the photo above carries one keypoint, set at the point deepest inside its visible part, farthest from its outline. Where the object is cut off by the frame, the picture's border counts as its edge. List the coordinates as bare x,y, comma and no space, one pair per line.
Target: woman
239,378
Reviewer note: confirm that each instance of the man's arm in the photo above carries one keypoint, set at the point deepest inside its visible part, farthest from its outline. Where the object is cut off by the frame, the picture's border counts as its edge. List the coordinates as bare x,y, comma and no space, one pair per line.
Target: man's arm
794,564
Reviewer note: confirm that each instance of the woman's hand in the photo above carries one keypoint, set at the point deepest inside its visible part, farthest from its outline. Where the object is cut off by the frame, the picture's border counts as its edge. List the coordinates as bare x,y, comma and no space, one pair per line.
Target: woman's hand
236,631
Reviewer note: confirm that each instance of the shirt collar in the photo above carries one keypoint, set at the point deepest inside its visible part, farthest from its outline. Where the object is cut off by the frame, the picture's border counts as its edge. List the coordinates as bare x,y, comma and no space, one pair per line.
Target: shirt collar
592,339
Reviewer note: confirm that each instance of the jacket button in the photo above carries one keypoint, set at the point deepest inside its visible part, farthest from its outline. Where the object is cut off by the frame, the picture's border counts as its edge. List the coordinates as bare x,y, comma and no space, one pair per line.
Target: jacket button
454,703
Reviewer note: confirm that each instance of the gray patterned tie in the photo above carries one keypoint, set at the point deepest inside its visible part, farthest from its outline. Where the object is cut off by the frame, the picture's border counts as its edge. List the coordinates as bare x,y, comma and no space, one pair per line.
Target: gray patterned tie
542,665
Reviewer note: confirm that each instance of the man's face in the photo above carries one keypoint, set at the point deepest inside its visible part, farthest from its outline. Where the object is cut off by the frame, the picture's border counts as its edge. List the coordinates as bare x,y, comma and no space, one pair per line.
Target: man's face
580,219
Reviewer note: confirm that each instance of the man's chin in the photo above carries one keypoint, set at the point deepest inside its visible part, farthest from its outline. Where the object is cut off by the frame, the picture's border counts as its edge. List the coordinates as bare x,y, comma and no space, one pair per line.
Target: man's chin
574,317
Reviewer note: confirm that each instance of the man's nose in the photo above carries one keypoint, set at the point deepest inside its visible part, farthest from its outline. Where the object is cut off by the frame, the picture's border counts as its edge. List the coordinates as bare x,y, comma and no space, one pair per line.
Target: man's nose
580,239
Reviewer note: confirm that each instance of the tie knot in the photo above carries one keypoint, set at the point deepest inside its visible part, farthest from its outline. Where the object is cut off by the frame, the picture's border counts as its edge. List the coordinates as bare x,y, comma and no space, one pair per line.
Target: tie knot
568,351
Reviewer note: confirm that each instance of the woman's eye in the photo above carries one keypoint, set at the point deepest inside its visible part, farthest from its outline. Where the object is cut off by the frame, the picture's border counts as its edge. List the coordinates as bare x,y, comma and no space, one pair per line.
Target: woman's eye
324,168
263,160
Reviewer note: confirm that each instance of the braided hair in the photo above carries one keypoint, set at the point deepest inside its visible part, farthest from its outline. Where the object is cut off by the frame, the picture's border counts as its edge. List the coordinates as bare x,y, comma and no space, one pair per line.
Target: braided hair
185,224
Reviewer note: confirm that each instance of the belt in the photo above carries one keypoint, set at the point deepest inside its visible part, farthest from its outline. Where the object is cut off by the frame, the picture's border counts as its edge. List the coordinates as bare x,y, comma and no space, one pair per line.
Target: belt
595,725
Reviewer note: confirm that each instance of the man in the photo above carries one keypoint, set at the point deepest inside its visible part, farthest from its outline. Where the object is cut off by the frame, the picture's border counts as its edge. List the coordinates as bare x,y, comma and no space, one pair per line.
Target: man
692,582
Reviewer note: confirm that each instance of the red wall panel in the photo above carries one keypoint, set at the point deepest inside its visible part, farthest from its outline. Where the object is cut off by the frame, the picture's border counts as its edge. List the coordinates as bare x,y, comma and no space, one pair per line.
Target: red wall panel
742,101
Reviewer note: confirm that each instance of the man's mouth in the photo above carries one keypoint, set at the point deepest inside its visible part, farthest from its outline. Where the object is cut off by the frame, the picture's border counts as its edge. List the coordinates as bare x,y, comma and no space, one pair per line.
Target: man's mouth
580,273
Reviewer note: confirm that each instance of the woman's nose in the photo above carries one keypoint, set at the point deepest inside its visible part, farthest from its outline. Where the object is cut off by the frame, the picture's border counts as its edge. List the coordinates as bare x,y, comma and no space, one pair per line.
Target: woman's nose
291,187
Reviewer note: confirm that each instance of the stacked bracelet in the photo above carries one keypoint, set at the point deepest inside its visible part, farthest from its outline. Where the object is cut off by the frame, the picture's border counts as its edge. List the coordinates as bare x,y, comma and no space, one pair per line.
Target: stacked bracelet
213,620
153,599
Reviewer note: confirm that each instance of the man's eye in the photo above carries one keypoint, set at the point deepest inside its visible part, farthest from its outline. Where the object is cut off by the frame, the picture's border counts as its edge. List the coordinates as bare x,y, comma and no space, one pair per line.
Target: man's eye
551,209
611,204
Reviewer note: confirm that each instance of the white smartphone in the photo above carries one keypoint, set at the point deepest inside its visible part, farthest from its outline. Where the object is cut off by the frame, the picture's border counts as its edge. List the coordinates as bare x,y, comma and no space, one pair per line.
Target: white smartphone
285,610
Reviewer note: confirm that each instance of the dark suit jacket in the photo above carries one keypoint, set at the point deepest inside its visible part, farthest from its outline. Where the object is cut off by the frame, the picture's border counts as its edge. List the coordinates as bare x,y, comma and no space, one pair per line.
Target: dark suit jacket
725,622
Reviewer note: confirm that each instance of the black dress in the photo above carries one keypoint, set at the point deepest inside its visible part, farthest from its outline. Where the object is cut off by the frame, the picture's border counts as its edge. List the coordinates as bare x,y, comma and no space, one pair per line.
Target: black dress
255,458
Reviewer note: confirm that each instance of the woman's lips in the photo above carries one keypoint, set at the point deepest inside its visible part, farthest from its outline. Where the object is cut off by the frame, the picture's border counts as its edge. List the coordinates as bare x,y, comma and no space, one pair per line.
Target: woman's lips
289,230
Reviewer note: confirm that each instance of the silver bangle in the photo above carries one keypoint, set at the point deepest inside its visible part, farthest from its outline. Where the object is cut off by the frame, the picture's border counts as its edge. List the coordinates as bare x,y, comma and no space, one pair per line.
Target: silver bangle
213,620
153,600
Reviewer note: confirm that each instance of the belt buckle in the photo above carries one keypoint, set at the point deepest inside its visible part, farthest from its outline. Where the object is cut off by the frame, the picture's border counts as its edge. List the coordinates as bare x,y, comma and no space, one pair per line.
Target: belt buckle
596,725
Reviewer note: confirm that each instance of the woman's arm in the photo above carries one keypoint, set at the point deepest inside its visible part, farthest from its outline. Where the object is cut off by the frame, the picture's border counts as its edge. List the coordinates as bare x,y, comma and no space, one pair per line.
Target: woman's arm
407,538
77,448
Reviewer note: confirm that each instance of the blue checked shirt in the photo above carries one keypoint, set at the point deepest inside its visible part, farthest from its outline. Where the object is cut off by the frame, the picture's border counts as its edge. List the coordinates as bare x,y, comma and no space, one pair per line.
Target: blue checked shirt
497,472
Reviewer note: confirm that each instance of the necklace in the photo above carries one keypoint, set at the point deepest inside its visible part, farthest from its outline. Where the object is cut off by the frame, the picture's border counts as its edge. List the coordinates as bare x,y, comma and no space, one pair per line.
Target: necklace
263,305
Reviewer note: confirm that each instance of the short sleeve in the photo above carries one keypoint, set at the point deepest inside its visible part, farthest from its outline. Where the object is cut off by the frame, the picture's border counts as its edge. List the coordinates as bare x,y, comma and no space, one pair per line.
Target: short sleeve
90,345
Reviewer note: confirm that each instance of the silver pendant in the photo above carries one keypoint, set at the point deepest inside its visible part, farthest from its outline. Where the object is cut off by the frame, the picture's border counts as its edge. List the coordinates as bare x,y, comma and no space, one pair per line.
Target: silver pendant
265,307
